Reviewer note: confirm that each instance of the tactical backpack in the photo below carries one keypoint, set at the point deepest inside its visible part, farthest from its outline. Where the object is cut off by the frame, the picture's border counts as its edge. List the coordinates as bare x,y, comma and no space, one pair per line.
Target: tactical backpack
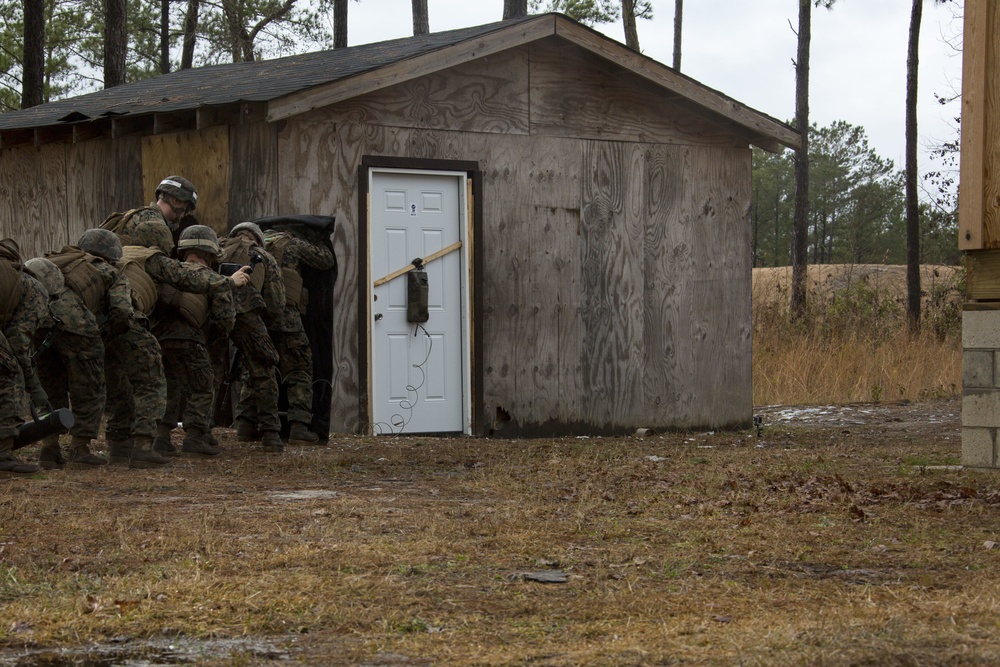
116,221
144,288
81,276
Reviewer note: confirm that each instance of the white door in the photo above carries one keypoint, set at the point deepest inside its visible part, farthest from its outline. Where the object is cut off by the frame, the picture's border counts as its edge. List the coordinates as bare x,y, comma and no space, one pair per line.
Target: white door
419,371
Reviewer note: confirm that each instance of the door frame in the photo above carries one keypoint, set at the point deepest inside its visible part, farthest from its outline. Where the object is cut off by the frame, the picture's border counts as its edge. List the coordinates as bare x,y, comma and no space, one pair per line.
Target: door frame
471,258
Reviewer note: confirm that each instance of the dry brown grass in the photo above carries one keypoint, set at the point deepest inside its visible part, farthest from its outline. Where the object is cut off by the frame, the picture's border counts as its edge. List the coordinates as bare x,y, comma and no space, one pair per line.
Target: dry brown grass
831,544
855,345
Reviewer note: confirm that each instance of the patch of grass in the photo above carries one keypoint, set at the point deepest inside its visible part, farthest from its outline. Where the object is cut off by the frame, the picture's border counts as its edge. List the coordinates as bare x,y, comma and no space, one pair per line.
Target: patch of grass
810,545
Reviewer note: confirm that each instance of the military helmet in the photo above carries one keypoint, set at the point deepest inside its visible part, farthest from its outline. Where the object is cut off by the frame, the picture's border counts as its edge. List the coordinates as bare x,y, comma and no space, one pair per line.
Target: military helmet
249,227
47,273
201,238
152,234
180,187
102,243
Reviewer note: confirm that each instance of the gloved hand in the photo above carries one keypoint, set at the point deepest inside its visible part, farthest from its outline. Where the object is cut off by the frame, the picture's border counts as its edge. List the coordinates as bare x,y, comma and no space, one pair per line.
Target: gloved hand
39,398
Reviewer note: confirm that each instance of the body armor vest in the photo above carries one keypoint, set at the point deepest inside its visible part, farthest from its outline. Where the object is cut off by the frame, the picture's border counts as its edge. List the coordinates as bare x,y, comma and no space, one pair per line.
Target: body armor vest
276,245
193,308
81,276
144,289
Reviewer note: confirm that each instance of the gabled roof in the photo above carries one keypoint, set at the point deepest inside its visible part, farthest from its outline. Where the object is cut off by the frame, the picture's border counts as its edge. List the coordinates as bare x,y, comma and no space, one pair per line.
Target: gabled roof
276,89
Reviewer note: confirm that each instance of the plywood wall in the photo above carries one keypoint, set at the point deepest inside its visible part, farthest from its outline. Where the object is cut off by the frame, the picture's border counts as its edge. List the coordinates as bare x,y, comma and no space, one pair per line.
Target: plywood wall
616,280
201,156
51,195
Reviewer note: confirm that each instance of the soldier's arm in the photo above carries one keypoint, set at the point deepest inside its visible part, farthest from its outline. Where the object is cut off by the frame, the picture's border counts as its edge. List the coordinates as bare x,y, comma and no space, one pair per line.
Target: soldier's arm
184,277
273,290
222,313
314,255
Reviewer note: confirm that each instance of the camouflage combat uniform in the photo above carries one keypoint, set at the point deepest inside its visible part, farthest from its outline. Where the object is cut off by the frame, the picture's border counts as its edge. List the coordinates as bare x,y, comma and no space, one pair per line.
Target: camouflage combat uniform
30,317
188,364
294,352
72,369
11,384
134,362
258,404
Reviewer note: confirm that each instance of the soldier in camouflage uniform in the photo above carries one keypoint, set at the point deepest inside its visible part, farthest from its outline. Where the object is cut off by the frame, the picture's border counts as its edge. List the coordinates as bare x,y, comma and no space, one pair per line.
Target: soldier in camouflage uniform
181,322
176,200
134,359
257,411
23,309
72,369
292,252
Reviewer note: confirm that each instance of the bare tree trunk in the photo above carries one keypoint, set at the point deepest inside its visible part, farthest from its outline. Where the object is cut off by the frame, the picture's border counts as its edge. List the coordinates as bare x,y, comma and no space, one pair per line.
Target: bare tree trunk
339,24
33,78
628,18
513,9
912,208
190,34
678,22
421,22
115,43
164,36
800,224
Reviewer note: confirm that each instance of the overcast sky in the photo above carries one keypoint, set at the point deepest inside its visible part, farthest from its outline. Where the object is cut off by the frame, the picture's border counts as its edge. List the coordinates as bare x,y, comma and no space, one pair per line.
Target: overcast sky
745,48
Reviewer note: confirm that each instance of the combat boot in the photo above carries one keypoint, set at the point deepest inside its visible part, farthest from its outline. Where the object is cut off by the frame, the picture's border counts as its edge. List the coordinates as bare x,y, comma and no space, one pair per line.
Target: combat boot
50,456
246,432
195,444
211,439
143,456
161,443
13,466
271,442
301,435
80,456
119,451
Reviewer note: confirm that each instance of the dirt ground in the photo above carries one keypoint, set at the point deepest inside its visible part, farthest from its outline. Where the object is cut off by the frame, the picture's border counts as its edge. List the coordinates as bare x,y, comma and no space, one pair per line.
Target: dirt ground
837,535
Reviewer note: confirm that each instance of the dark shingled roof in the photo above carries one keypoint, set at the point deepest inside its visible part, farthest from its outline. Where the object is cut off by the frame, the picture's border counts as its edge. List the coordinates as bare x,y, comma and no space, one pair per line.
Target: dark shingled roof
262,81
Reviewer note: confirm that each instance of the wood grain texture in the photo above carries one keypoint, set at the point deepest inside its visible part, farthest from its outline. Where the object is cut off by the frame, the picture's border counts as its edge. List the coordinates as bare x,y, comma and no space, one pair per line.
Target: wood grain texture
103,176
33,198
975,40
411,68
253,187
201,156
489,94
576,94
991,132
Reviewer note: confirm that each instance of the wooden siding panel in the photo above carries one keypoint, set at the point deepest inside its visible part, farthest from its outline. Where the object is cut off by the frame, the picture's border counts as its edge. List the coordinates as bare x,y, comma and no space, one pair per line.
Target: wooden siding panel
33,198
486,95
555,295
718,334
103,176
975,115
201,156
666,262
253,187
576,94
612,282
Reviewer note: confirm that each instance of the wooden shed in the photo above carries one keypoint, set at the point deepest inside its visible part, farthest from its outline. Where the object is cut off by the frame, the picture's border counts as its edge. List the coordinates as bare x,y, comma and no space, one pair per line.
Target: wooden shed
582,210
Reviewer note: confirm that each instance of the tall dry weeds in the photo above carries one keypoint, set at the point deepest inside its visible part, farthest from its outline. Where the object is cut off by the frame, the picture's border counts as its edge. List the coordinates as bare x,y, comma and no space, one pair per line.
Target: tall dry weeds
854,345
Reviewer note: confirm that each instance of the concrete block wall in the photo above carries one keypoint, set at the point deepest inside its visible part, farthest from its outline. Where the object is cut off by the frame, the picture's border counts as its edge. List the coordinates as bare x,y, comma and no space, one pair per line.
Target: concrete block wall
980,388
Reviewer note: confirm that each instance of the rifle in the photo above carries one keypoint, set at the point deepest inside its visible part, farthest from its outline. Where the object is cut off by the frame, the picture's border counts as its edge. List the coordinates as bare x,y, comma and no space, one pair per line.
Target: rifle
223,412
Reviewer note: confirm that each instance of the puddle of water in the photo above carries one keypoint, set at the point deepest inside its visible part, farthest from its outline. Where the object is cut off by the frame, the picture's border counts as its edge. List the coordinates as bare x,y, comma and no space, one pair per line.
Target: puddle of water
144,654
